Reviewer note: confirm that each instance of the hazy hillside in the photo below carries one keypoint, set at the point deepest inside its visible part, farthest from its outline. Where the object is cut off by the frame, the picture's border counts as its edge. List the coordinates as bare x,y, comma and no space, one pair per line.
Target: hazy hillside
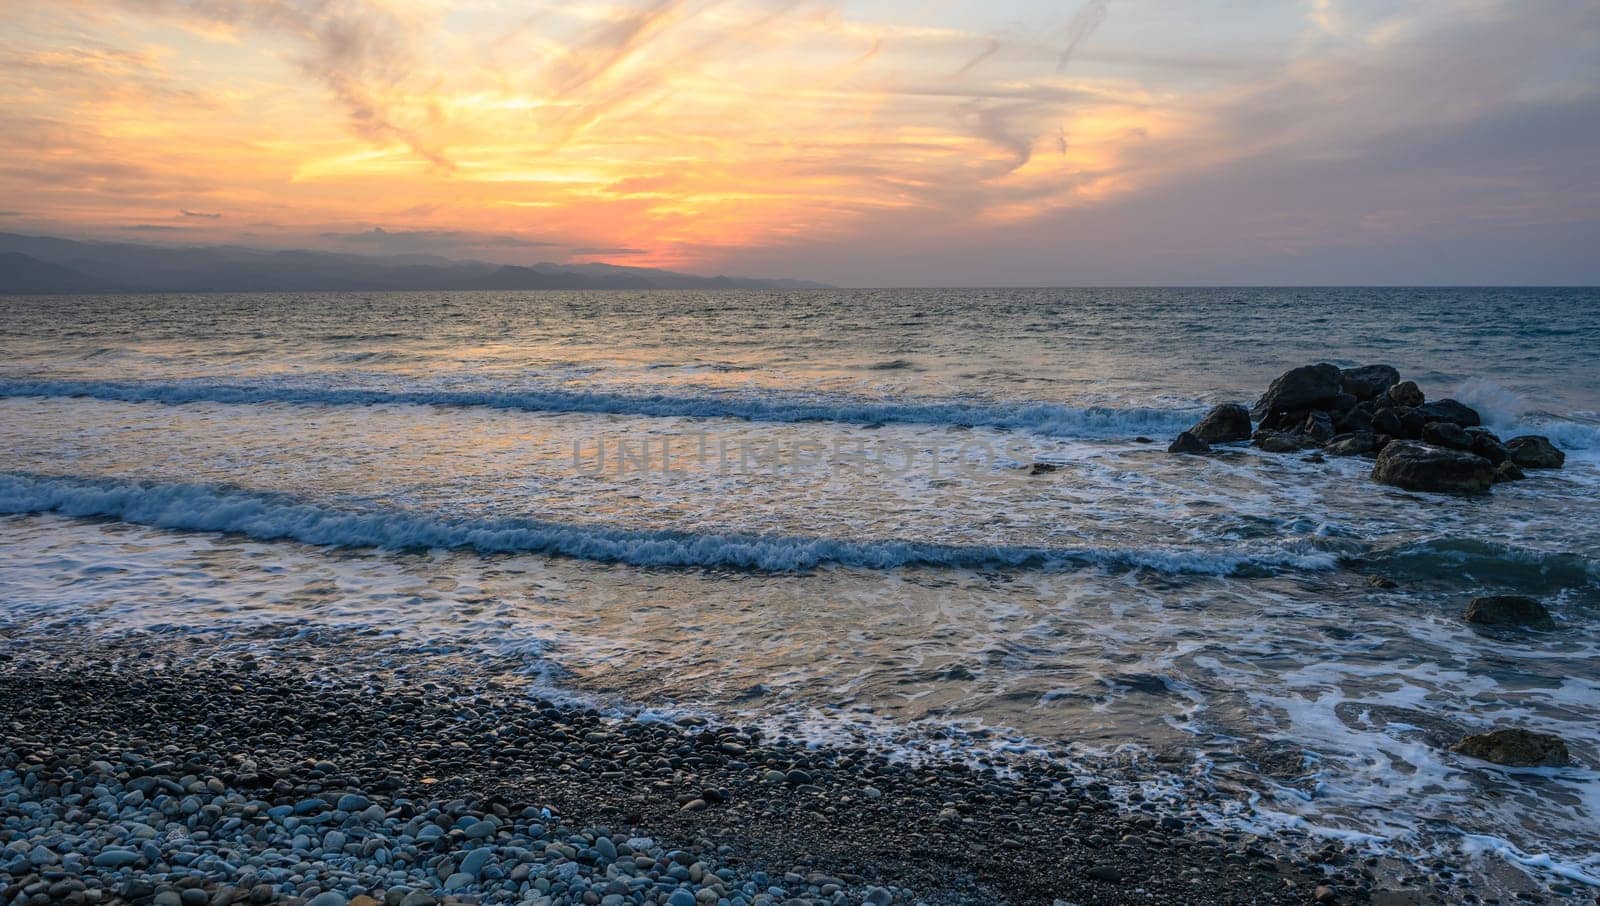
43,265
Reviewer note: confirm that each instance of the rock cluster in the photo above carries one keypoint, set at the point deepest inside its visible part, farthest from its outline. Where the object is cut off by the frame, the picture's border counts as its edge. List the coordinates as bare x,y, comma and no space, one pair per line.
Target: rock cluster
1418,445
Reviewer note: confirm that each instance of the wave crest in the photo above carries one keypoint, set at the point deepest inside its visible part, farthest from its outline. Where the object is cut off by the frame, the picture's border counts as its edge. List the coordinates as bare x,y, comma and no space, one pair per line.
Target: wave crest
272,517
1051,419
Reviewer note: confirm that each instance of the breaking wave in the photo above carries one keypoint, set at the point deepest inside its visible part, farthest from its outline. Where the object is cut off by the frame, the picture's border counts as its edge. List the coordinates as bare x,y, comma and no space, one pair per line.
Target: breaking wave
1050,419
269,517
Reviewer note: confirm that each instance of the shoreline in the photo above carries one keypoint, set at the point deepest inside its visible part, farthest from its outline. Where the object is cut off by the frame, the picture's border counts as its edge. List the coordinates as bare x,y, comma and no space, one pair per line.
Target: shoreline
251,756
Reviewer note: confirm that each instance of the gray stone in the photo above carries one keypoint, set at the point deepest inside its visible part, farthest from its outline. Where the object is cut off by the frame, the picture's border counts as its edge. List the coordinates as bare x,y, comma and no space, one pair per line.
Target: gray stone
116,858
473,862
1188,443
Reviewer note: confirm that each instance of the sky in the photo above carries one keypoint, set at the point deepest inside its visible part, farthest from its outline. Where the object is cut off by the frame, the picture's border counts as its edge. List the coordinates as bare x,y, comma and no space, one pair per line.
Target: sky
874,143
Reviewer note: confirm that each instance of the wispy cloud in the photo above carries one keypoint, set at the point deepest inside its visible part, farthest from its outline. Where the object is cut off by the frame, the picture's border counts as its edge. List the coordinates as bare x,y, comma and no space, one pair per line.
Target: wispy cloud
712,132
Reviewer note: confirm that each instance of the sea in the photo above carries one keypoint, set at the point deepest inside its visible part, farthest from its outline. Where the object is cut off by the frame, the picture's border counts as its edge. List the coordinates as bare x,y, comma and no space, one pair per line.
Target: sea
939,521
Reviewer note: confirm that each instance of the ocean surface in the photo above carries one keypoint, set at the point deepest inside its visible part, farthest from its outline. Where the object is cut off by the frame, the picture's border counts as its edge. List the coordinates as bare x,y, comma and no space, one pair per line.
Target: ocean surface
813,511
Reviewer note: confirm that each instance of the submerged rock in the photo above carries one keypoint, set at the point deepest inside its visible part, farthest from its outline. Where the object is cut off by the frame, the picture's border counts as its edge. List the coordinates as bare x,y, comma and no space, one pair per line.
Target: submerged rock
1306,387
1531,451
1226,423
1421,467
1356,443
1508,610
1188,443
1281,441
1368,381
1508,471
1515,748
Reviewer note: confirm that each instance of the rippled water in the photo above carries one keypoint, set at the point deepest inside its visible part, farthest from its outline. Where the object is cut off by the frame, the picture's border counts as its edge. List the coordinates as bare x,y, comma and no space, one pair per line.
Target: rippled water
812,513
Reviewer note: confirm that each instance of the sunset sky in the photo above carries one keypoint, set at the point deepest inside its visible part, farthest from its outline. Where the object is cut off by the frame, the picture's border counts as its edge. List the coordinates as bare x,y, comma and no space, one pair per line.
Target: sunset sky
863,143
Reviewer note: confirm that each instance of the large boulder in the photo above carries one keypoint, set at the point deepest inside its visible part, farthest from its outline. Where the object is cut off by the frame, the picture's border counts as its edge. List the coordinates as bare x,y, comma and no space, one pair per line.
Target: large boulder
1450,411
1368,381
1508,610
1405,394
1306,387
1531,451
1188,443
1421,467
1224,424
1516,748
1447,434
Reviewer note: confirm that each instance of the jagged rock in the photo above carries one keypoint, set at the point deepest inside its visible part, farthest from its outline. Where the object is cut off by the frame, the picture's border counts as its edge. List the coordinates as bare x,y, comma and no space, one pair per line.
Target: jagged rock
1041,468
1358,418
1386,421
1405,394
1508,610
1368,381
1226,423
1356,443
1516,748
1485,444
1447,434
1318,426
1281,441
1306,387
1188,443
1532,451
1450,411
1412,421
1421,467
1343,403
1508,471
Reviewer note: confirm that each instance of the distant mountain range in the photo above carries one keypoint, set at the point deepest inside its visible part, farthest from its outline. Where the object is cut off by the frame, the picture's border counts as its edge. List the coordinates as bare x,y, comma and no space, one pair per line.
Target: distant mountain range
43,265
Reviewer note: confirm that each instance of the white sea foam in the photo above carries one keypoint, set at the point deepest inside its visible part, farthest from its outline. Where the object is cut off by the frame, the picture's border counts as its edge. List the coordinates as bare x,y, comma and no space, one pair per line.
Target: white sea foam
191,507
1050,419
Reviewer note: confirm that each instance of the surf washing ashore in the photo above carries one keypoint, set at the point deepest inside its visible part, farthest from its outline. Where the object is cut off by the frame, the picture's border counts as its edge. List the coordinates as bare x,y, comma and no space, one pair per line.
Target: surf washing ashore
1119,596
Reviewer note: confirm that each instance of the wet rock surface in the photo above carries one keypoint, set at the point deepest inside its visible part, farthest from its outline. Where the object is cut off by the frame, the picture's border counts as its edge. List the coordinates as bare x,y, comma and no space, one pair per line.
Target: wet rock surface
1421,467
1515,748
1227,423
1508,610
1532,451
